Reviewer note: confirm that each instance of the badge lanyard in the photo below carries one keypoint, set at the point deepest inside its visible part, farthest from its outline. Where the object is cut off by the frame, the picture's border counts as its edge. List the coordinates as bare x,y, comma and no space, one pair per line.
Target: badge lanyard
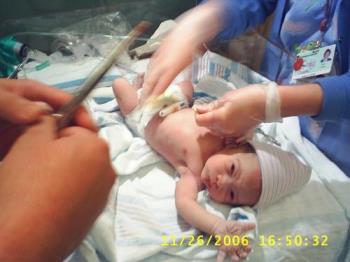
322,27
325,22
314,45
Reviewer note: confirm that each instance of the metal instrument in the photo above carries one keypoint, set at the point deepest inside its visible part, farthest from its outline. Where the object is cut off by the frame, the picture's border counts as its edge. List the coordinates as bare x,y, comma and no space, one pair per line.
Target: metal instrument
267,137
66,112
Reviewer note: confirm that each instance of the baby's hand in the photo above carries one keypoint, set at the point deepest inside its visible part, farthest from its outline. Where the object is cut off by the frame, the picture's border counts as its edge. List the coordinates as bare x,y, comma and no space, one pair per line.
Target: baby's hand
237,251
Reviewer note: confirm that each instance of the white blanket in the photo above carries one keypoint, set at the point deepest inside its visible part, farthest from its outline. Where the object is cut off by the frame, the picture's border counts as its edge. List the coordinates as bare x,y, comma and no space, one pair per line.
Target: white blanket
142,209
145,202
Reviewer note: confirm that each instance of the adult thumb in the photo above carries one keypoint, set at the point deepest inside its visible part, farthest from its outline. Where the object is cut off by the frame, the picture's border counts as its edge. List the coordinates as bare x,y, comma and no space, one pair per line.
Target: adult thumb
43,131
206,119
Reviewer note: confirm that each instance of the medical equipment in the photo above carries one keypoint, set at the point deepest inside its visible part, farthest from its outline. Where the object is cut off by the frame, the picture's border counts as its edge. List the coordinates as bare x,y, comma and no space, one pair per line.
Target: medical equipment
267,137
65,113
12,53
12,50
172,109
18,68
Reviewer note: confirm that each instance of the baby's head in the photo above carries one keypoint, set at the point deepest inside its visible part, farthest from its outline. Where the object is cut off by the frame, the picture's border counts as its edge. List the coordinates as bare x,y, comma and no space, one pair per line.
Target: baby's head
255,174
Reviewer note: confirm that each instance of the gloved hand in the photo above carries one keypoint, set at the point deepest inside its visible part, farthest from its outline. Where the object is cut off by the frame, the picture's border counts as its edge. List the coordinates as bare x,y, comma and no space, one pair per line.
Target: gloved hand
235,114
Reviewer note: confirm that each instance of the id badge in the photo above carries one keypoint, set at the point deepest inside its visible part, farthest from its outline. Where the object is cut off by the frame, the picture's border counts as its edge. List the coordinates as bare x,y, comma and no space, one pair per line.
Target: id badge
314,62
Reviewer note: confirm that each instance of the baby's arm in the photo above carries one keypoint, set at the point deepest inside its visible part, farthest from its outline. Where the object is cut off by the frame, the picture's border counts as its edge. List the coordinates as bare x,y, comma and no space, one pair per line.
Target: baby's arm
186,202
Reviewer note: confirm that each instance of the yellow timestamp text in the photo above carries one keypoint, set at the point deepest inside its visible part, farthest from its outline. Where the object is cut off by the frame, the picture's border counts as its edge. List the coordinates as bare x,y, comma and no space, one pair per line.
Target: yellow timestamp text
204,240
297,240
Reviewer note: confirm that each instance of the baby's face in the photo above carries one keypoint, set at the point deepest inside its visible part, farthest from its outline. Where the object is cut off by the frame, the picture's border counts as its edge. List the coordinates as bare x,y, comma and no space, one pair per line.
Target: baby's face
233,177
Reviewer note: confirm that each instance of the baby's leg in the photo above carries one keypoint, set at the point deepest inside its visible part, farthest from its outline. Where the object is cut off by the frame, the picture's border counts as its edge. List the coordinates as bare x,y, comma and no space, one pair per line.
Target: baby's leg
126,95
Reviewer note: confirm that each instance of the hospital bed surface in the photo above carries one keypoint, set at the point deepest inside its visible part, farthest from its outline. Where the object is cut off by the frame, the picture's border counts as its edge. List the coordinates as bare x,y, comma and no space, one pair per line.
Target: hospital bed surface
141,209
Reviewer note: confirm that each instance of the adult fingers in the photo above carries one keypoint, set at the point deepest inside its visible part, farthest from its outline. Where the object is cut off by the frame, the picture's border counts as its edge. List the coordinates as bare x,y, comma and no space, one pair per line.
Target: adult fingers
165,80
43,131
209,119
19,110
205,108
53,98
36,91
152,78
83,119
163,69
171,70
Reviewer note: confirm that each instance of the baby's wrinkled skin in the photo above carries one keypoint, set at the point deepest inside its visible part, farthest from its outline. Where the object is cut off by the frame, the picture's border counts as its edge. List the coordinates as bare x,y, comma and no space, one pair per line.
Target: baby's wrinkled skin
234,173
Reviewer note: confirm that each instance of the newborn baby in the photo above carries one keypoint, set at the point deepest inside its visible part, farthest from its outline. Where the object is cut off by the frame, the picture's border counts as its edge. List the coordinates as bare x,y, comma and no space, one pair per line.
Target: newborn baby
234,175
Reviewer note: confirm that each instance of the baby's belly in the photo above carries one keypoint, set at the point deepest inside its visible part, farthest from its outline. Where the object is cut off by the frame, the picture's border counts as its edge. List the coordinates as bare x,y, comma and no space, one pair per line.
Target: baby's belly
181,141
168,137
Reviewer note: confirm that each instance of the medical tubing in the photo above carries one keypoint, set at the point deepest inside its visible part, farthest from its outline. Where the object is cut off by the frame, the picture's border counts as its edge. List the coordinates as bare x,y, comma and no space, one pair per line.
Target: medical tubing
272,103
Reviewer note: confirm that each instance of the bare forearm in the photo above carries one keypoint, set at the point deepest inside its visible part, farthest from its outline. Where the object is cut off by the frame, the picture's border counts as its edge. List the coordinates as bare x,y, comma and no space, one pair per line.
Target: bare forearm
205,20
186,202
301,100
197,216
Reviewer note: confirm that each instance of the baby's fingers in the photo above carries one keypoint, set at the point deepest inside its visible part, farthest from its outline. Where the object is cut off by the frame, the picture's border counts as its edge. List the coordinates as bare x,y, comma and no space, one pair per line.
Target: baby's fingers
243,252
246,226
234,257
221,256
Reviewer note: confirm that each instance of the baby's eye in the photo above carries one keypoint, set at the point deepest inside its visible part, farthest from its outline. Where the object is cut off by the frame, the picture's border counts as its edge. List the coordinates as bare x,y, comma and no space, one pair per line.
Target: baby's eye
232,195
232,168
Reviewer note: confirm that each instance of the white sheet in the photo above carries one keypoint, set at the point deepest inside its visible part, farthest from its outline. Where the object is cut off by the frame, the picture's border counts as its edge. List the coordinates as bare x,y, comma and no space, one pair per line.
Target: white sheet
146,209
142,208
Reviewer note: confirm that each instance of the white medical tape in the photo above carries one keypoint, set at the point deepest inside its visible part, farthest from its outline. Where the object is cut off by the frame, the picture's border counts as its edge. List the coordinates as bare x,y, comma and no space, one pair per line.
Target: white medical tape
272,104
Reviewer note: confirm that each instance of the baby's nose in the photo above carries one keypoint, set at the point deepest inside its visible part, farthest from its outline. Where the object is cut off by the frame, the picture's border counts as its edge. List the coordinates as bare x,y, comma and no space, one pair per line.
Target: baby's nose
221,181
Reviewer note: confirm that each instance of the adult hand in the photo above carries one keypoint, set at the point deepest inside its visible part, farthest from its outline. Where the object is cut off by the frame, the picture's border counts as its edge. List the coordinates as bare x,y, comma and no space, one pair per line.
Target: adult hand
23,102
53,185
177,51
235,230
235,114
